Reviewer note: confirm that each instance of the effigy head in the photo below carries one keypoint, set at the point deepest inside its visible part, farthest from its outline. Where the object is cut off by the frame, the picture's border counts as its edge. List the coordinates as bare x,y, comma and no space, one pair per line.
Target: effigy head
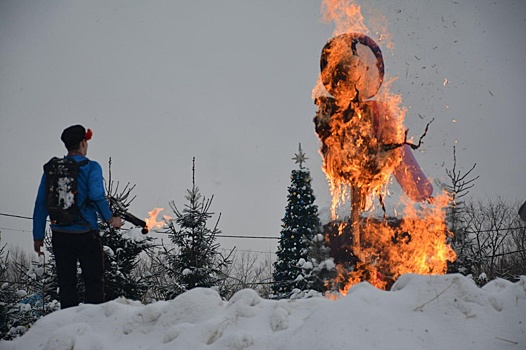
352,67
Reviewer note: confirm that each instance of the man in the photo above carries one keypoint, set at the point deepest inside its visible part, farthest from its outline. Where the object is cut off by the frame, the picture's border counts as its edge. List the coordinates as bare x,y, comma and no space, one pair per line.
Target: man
80,240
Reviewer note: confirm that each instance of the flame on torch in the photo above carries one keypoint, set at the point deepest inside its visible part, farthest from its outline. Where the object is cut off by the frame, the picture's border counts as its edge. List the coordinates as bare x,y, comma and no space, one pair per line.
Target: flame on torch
151,221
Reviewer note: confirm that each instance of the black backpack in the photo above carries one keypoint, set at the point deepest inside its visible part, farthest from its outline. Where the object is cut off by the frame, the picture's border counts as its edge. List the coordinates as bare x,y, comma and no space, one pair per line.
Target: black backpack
61,190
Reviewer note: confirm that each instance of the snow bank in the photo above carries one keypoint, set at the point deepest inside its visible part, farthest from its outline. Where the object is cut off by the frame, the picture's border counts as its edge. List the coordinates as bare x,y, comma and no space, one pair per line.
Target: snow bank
421,312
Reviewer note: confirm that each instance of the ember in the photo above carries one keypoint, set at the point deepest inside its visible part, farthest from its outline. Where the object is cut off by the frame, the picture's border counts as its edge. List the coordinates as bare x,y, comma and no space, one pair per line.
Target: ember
363,143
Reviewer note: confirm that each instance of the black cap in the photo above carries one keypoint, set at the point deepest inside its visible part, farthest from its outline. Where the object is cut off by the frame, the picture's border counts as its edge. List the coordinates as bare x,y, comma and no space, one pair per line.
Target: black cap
73,135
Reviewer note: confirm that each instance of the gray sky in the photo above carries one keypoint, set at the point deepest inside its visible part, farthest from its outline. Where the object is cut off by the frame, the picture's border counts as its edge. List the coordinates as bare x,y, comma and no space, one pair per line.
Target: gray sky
230,83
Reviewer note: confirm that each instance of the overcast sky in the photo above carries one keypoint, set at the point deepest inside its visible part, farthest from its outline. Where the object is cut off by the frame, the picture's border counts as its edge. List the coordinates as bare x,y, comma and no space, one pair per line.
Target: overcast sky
230,83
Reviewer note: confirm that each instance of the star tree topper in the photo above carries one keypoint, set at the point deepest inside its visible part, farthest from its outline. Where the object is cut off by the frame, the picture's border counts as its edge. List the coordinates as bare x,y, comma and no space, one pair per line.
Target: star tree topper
300,157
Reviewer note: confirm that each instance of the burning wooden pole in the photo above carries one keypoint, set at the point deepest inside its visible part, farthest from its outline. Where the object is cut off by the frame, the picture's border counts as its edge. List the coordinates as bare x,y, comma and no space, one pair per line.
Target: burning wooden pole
355,217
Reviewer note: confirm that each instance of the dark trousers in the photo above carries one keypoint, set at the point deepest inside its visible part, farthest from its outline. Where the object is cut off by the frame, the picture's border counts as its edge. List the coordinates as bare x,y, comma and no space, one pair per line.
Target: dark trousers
86,248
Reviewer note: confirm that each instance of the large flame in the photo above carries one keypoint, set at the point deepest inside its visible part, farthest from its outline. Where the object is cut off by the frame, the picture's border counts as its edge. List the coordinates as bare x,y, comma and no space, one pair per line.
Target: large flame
417,243
362,145
346,15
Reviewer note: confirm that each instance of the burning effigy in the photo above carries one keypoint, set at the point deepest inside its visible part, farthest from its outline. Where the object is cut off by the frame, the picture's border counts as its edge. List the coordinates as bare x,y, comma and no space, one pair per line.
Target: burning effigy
363,144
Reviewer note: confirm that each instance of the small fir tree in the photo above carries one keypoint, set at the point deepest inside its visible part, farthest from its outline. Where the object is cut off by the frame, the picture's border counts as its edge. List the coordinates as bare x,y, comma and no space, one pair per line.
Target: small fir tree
22,303
318,270
11,316
194,260
123,249
458,188
299,226
121,255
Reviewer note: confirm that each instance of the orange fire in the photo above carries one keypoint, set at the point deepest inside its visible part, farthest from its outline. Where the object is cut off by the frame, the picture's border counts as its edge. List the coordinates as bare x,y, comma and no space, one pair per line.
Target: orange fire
417,243
365,162
362,146
152,223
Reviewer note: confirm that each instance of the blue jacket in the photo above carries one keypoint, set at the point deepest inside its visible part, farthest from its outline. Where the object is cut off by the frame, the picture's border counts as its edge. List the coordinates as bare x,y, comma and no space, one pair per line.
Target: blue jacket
90,198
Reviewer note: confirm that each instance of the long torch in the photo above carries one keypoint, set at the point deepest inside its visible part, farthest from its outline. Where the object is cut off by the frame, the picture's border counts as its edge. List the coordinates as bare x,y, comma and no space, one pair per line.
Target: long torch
120,210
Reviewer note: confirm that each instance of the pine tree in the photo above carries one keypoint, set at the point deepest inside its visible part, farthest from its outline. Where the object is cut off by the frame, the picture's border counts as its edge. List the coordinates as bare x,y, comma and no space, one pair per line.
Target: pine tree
121,255
458,188
195,260
300,225
123,249
9,297
318,270
24,302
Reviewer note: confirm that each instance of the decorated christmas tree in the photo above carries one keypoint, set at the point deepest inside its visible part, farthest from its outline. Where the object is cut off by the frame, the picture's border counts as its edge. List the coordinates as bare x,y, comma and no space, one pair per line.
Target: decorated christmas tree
294,266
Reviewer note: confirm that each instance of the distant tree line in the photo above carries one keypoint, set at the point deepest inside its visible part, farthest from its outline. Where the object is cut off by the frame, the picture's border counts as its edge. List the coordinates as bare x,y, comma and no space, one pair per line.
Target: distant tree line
488,235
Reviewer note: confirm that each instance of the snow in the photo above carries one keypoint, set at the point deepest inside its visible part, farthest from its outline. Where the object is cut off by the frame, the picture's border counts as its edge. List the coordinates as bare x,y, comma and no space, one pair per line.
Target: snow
108,251
327,264
21,293
420,312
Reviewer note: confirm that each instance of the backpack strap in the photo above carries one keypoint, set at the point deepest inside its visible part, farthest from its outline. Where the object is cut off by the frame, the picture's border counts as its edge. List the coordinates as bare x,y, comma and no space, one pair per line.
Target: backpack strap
83,162
87,201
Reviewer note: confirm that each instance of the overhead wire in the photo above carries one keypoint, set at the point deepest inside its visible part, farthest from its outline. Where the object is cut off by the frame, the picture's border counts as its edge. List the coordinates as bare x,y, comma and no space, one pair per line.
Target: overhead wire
219,236
262,237
16,216
14,229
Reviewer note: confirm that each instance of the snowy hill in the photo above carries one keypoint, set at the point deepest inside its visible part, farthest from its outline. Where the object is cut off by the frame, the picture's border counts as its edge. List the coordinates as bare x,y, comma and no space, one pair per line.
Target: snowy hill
420,312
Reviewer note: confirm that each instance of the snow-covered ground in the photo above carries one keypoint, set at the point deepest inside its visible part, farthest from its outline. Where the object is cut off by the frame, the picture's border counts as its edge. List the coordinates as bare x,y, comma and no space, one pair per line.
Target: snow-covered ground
420,312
